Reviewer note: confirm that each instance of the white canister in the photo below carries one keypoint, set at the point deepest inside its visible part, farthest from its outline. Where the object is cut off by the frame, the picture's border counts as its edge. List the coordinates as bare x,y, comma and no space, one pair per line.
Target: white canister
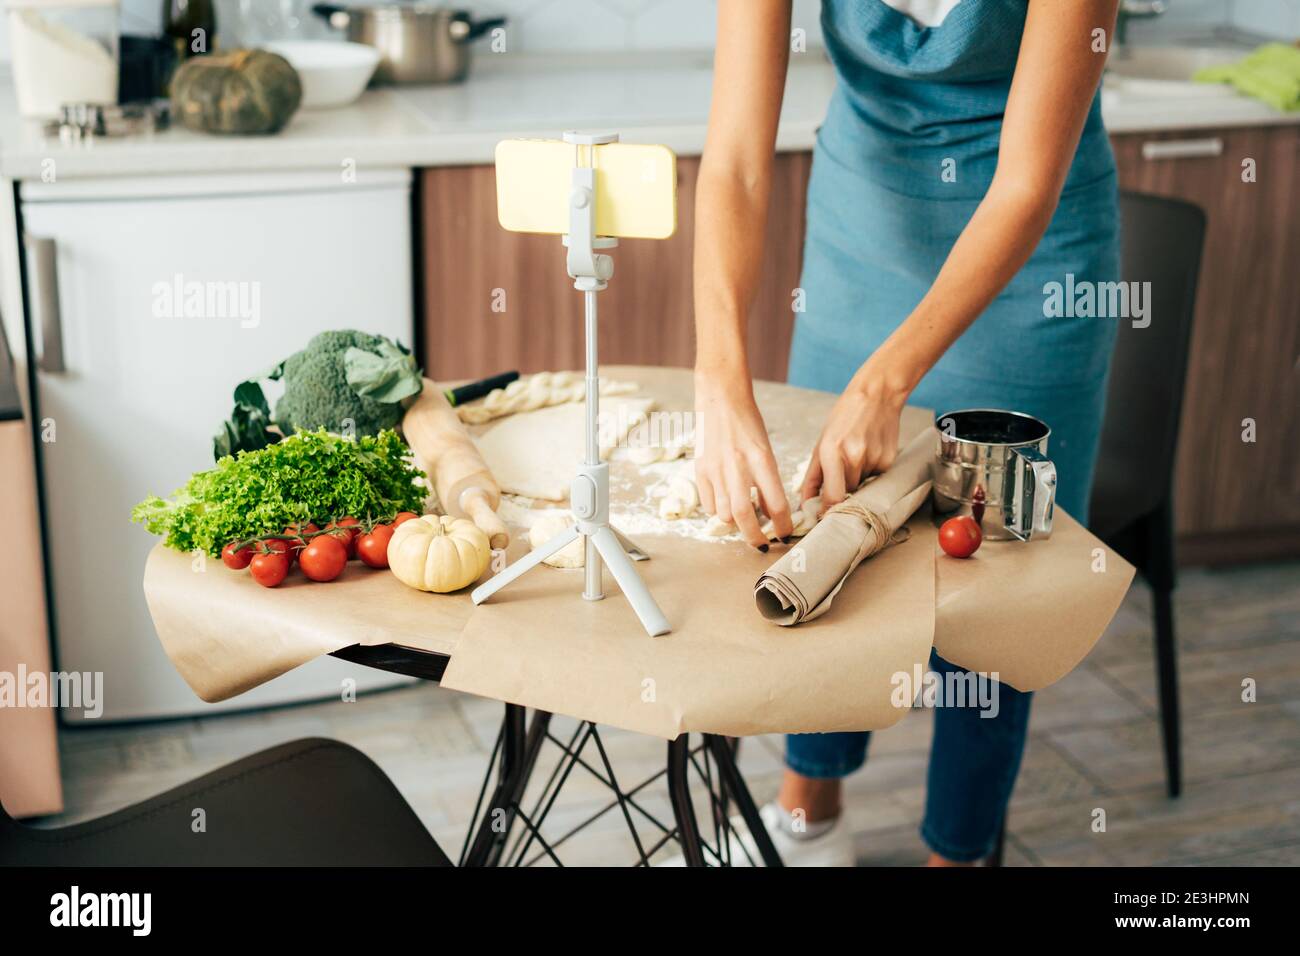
64,51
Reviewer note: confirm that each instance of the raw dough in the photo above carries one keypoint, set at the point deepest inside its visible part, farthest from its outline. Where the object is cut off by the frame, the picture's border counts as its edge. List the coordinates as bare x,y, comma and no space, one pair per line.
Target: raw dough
717,528
643,454
546,527
536,391
803,515
681,500
537,454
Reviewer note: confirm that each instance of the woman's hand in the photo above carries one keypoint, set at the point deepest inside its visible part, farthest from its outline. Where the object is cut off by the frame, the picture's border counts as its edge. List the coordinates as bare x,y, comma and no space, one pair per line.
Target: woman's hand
861,433
733,455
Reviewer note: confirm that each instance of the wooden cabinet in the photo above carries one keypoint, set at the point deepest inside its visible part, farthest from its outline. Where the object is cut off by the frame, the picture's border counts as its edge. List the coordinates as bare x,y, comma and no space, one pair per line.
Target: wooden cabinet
1235,499
495,301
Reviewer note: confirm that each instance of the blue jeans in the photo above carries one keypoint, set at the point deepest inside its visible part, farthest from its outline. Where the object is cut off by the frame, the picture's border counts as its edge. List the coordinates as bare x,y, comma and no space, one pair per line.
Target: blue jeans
877,235
974,760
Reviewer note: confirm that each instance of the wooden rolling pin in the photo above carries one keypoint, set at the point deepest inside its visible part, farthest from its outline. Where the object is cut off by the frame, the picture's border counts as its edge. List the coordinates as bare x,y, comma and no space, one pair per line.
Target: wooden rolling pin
460,477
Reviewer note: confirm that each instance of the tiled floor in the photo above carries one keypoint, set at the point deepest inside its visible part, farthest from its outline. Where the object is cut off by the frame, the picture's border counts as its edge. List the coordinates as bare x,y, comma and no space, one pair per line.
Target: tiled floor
1094,744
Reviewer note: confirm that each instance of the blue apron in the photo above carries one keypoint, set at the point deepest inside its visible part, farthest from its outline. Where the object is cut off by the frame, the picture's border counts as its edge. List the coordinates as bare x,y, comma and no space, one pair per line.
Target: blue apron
906,153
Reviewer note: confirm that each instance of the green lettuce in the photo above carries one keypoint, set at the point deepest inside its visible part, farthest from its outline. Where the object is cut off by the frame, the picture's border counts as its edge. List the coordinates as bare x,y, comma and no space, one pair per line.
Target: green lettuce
310,476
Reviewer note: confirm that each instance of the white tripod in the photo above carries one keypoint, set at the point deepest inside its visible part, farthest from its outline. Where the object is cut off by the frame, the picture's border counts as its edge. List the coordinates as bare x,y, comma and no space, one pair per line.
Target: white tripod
589,492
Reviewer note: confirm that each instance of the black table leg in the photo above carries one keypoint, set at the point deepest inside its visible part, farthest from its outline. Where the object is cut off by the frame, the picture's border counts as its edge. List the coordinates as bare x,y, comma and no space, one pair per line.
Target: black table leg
518,756
735,786
515,757
679,793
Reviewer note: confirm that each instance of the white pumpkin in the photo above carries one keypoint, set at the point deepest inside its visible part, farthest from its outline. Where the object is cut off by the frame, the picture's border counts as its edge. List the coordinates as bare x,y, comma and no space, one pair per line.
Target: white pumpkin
438,553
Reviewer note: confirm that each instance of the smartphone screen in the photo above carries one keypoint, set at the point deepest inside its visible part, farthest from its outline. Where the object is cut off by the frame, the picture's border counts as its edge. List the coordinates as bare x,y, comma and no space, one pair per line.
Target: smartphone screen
636,187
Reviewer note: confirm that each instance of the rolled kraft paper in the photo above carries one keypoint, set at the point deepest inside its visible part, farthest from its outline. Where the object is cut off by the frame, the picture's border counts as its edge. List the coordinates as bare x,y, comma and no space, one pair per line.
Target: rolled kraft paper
804,582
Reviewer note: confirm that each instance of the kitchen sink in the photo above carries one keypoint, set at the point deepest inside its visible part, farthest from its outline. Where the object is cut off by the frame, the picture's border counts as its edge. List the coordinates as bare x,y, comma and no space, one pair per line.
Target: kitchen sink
1167,71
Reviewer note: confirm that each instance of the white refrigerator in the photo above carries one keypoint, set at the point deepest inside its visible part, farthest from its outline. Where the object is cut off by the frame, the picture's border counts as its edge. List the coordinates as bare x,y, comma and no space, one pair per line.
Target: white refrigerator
131,384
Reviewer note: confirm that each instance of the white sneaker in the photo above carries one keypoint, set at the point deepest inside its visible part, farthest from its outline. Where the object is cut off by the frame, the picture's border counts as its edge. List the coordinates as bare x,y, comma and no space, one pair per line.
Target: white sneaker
834,847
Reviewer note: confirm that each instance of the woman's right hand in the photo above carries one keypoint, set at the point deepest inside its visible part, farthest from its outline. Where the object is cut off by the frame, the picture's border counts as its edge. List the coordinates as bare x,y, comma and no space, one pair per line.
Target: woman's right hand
733,455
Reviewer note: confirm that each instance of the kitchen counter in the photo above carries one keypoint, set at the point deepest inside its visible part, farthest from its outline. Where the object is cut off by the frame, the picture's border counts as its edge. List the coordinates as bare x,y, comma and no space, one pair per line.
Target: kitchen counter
661,98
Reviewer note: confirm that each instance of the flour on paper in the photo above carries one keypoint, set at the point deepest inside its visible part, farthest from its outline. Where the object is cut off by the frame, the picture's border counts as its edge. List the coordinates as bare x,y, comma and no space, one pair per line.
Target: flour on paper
538,453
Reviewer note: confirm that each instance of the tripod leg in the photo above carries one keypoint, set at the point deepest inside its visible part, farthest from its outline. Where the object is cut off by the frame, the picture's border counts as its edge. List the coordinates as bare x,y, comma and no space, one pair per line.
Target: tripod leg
631,547
593,578
634,589
529,561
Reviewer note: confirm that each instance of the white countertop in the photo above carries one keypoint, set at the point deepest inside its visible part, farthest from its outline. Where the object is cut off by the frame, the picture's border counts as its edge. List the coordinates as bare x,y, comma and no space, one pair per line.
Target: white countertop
664,99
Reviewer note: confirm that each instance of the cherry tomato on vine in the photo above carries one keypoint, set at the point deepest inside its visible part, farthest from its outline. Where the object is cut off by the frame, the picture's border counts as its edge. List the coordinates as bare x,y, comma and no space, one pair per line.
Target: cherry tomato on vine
403,517
237,558
372,548
299,533
324,558
282,546
347,530
269,568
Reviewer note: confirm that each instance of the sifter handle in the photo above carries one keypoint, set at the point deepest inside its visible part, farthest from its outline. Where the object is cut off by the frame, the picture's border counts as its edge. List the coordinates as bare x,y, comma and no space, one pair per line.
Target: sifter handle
1035,495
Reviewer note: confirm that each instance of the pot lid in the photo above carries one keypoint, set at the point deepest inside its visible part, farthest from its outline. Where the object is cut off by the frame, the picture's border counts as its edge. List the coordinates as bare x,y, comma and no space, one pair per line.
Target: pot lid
396,9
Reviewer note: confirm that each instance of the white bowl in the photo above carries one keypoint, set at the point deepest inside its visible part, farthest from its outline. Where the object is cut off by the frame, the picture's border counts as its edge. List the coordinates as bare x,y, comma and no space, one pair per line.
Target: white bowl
333,73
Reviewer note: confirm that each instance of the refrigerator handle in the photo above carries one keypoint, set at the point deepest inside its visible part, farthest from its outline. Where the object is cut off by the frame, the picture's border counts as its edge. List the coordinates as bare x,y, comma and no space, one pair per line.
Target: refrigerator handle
49,318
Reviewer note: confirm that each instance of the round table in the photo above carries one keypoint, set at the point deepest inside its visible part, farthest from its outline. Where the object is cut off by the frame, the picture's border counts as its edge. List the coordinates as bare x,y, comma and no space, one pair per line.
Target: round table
1059,595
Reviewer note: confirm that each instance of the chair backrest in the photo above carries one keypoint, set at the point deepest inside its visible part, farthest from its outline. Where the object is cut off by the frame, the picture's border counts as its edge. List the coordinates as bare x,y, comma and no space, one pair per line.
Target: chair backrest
9,827
1161,241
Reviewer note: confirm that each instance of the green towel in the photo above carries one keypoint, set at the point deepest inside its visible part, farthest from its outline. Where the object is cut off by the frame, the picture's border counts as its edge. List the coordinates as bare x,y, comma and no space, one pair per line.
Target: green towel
1271,74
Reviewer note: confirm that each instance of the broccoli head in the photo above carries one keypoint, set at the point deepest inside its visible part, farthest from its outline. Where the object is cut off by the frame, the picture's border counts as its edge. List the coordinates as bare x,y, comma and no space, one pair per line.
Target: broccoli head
317,393
344,381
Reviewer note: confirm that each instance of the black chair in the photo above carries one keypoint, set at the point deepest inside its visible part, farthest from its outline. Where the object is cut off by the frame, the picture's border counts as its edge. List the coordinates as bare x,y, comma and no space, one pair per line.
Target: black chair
311,802
1132,497
1132,494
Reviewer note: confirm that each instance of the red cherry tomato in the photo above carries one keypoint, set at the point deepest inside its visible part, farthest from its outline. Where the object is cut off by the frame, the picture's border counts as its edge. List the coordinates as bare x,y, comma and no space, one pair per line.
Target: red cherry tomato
960,537
299,533
403,517
283,546
348,537
324,558
270,568
372,548
239,559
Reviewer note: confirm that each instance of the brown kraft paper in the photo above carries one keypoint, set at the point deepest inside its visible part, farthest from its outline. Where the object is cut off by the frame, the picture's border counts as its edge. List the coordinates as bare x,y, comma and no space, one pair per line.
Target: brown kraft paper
802,584
722,669
1029,612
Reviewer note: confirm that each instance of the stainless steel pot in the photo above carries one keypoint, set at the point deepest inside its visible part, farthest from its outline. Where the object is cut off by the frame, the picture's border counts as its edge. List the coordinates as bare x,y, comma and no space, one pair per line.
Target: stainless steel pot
417,42
992,465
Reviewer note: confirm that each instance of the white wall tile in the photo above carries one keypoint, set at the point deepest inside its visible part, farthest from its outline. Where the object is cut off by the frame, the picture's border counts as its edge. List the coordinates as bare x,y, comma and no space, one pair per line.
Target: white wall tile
145,16
807,16
570,26
674,25
1271,18
577,26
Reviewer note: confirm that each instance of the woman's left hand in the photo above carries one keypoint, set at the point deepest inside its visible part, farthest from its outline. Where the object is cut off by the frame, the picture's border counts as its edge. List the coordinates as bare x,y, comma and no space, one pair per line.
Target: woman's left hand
861,433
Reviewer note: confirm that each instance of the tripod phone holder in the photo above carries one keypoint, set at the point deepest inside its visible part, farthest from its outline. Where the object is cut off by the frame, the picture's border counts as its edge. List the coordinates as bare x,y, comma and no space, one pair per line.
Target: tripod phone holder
590,271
